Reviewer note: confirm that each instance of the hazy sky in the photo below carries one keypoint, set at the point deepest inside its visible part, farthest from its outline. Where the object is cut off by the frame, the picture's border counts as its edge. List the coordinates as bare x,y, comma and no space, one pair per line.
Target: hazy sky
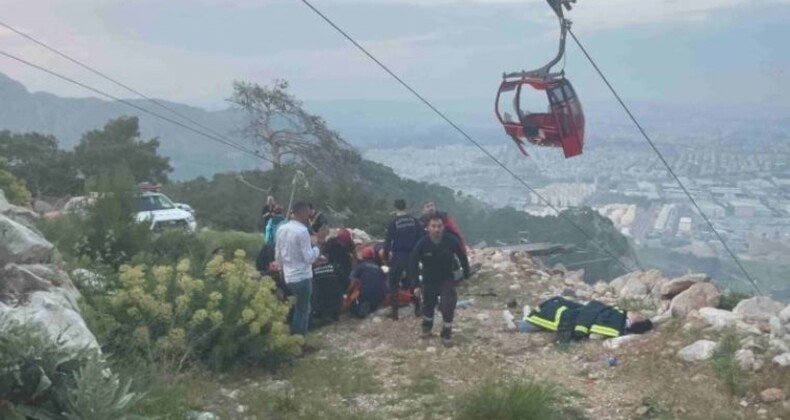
671,51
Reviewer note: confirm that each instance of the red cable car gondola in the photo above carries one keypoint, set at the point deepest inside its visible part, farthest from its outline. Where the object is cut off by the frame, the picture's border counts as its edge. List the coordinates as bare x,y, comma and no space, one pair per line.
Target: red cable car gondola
563,124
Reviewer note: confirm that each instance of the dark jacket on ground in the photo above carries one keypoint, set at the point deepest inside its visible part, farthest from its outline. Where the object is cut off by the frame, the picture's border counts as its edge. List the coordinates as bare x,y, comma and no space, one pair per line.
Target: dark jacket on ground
572,320
403,233
437,260
548,314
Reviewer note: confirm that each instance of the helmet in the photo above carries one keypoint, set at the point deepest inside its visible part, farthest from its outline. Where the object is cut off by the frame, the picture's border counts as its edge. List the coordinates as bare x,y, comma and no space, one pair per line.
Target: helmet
368,253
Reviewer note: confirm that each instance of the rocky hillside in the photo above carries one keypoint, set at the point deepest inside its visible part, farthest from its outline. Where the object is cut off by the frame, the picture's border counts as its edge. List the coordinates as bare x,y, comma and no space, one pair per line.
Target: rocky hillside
379,367
33,285
701,362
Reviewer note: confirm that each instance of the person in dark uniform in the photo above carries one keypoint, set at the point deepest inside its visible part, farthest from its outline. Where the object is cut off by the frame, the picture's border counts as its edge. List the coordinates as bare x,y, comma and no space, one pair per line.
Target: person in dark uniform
437,252
328,287
403,233
370,282
340,252
318,220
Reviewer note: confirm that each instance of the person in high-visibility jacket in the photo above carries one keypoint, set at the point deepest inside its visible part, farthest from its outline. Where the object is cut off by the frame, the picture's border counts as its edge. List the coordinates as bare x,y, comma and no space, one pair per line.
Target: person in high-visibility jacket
572,320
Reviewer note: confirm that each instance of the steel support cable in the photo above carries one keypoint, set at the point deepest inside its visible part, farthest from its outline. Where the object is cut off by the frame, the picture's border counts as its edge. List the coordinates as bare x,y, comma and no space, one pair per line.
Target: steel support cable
133,105
463,133
666,164
114,81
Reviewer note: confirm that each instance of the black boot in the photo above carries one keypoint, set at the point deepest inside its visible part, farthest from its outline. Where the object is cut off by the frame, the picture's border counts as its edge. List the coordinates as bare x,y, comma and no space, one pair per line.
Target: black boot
394,305
426,330
447,336
417,310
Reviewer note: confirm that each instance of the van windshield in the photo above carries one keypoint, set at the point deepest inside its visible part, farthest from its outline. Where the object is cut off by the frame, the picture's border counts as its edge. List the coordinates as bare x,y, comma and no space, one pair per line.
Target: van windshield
154,202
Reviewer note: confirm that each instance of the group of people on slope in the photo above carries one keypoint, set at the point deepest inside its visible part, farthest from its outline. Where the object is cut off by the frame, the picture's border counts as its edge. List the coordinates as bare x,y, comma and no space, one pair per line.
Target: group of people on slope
420,262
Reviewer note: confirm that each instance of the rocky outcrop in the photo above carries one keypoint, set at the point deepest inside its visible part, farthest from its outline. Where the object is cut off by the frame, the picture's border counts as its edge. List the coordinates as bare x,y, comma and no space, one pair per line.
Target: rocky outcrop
718,318
676,286
699,351
698,296
757,309
34,288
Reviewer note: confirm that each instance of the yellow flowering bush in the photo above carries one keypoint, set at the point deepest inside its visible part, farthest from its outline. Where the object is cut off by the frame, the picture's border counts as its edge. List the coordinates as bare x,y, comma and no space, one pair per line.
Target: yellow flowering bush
228,317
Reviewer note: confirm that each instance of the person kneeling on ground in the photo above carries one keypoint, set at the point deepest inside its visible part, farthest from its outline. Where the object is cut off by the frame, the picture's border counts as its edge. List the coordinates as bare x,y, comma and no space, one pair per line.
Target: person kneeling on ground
576,321
369,284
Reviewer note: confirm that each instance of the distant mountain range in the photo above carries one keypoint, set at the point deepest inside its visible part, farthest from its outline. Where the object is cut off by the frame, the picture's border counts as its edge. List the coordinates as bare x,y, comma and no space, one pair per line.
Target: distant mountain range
363,123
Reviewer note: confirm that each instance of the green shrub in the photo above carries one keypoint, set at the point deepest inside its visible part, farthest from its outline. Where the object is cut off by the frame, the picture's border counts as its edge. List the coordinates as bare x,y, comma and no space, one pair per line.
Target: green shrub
230,241
727,368
729,300
98,394
14,189
518,400
230,317
40,379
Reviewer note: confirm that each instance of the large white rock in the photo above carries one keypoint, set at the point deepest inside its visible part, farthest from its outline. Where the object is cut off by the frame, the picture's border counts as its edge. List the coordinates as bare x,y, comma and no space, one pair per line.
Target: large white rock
784,315
677,285
718,318
698,296
22,245
617,342
636,284
699,351
782,360
757,309
59,316
747,361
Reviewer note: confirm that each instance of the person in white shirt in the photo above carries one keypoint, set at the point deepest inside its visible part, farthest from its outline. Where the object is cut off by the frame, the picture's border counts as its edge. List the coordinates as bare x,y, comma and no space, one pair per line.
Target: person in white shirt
295,253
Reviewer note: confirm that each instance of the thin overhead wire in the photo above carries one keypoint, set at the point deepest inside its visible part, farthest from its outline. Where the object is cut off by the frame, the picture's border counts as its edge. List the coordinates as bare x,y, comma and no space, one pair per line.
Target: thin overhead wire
463,133
133,105
115,81
666,164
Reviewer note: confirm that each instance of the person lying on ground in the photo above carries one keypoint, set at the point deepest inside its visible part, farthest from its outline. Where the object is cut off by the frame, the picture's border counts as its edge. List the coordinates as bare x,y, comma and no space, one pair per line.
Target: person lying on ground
575,321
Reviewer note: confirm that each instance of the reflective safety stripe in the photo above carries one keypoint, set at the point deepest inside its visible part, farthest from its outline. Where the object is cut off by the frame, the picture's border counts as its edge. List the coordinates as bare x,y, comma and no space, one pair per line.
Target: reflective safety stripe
549,325
582,329
605,331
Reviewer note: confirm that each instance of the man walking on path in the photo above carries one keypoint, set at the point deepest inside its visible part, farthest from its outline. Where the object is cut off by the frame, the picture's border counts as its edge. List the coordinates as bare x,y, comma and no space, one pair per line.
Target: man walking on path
437,252
403,234
296,251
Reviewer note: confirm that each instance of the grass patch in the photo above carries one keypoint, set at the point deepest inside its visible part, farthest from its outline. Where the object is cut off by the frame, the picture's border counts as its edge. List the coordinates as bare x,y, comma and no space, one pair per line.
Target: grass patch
726,368
424,384
513,400
656,409
344,376
635,304
730,300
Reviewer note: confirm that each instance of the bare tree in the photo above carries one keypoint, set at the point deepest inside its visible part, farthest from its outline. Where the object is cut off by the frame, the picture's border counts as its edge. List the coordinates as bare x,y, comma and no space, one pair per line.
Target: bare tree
282,131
